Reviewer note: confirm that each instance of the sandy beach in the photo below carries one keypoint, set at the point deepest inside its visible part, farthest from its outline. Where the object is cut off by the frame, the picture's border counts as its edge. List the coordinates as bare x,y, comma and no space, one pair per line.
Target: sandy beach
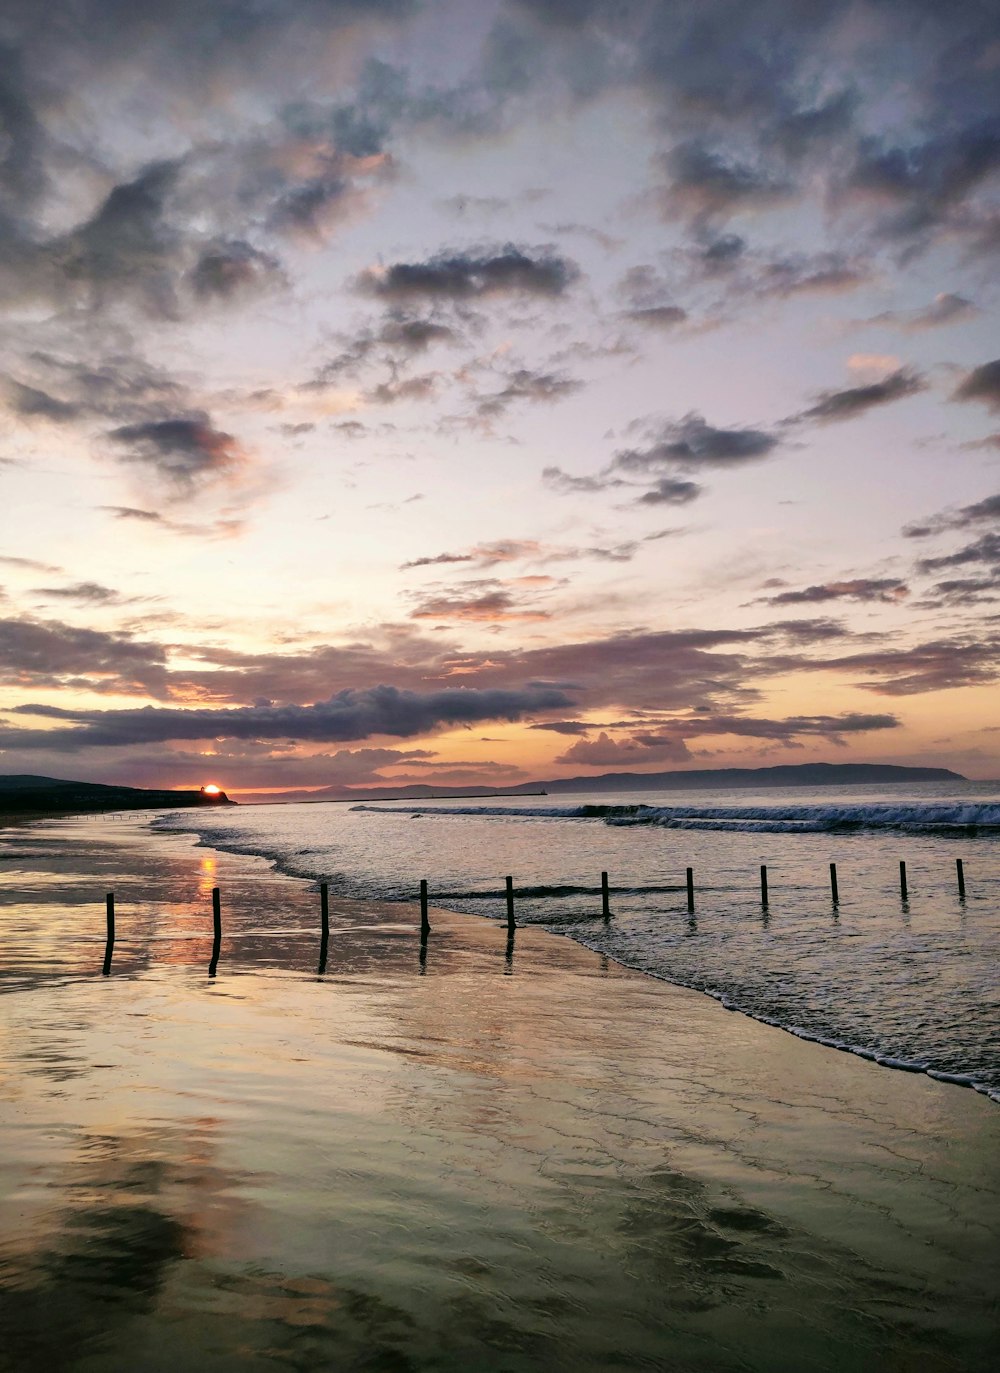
481,1156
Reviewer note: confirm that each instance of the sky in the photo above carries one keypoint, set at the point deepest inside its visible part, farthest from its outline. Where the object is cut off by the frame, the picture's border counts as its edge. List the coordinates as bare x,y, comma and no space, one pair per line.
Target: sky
477,391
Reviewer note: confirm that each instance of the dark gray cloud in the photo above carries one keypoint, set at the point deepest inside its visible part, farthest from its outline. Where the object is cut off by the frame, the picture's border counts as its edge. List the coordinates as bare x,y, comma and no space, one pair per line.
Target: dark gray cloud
33,403
526,384
925,184
985,549
832,406
473,274
981,384
657,316
887,590
51,653
692,443
946,308
671,491
566,484
707,184
83,593
668,740
182,452
230,269
966,517
934,665
350,714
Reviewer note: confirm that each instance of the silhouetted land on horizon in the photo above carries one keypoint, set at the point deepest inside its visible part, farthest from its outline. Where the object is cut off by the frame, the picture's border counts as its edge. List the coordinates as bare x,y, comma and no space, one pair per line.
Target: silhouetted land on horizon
785,775
24,794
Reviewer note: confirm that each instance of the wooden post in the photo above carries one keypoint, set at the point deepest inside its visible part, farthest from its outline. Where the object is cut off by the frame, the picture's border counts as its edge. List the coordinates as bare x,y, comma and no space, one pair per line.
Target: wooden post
763,884
690,887
510,905
217,930
109,947
605,901
960,870
902,881
425,924
324,916
833,884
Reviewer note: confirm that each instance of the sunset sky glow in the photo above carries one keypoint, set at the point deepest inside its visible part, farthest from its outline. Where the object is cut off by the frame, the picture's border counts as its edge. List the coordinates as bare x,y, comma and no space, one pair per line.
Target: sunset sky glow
472,391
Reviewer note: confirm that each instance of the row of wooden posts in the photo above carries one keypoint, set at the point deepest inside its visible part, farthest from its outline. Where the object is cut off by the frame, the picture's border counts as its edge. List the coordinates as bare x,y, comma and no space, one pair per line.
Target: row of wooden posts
425,925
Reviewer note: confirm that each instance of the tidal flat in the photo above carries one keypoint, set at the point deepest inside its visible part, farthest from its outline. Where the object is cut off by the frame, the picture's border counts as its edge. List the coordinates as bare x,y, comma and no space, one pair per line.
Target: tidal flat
467,1155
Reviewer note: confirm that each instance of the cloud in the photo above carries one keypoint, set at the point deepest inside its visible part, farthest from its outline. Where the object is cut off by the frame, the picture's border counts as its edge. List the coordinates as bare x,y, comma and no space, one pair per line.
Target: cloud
32,403
182,452
985,549
500,551
52,653
708,184
887,590
83,593
657,316
671,491
964,518
934,665
833,406
668,740
566,484
231,269
471,275
925,185
350,714
946,308
529,385
692,442
480,601
981,384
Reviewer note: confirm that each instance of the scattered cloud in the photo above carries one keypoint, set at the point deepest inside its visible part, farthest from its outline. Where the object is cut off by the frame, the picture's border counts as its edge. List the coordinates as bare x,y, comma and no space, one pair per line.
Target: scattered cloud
182,452
887,590
473,274
834,406
350,714
981,384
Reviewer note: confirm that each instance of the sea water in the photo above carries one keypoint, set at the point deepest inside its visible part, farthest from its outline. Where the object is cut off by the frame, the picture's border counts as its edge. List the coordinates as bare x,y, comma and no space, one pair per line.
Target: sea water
912,983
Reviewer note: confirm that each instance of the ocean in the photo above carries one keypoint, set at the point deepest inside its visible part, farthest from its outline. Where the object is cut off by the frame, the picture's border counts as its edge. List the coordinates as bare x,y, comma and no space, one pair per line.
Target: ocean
911,983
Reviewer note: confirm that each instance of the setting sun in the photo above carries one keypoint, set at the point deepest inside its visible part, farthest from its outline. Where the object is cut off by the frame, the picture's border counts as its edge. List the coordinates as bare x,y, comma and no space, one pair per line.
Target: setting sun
210,789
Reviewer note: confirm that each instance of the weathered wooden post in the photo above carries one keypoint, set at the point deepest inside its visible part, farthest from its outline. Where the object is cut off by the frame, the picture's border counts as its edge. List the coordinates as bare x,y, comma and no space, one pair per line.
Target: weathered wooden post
960,871
109,947
833,884
763,884
690,888
605,897
511,927
903,893
324,917
217,930
425,924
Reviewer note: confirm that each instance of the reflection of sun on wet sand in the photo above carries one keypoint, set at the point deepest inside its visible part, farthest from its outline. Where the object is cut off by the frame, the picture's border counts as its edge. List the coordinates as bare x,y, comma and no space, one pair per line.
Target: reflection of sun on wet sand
482,1161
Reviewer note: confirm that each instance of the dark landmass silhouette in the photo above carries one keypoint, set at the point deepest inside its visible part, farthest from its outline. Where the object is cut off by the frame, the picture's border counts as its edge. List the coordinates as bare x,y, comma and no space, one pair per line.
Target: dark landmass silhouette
785,775
24,795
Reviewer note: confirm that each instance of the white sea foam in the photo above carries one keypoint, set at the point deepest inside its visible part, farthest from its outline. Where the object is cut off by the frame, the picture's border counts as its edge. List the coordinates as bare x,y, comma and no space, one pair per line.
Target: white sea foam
923,817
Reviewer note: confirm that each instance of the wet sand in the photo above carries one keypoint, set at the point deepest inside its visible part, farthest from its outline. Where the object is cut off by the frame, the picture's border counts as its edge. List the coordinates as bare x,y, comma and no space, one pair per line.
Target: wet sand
485,1157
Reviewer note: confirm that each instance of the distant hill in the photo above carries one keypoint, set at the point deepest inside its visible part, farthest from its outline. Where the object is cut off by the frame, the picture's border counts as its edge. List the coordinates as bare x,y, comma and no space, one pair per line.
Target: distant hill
786,775
27,794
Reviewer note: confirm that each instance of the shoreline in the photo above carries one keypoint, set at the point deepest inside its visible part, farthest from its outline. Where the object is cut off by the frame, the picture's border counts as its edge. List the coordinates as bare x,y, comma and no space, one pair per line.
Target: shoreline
876,1057
479,1128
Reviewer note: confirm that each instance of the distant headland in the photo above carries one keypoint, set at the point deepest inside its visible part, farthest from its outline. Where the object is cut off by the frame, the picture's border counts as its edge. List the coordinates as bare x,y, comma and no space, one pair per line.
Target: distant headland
23,795
785,775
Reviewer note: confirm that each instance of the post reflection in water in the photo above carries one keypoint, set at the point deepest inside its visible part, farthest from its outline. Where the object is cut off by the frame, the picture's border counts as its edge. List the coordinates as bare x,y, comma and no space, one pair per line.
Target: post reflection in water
575,1168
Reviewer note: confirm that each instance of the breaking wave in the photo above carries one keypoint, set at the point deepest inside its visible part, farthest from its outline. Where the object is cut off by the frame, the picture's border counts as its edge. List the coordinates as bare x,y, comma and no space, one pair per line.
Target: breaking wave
956,817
